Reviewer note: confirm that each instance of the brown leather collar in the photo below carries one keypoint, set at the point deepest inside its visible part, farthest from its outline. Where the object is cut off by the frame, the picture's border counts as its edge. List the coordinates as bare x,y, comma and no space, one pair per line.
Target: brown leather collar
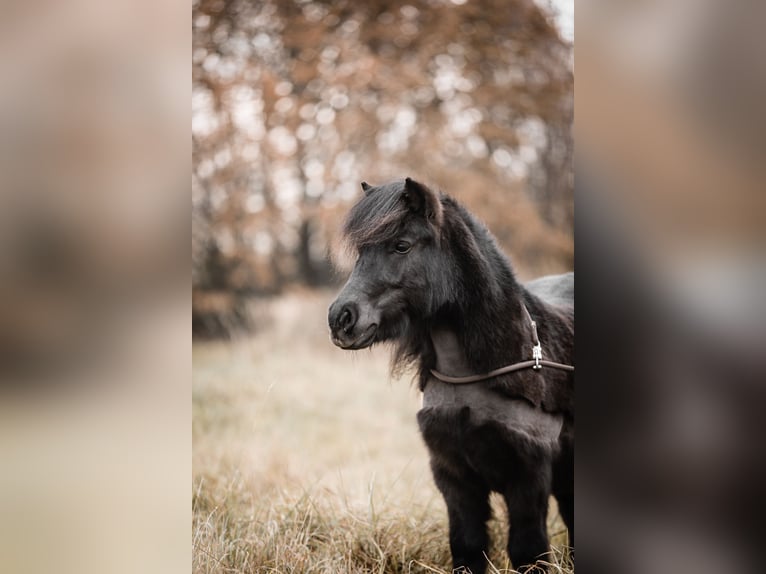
536,363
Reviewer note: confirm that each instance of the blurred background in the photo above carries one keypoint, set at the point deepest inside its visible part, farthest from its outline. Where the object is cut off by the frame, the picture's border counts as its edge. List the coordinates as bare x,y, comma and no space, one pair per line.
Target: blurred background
670,232
295,103
95,354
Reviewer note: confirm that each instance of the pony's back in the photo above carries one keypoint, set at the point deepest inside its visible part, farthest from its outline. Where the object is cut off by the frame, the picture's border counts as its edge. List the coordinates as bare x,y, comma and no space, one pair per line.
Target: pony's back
554,289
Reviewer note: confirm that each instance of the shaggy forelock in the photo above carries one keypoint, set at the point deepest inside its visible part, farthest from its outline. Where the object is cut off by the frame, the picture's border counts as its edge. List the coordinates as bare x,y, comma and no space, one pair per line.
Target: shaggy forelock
376,218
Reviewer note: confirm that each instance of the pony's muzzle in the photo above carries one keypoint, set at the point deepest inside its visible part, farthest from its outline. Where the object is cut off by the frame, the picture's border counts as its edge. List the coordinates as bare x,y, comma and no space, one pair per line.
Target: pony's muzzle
346,329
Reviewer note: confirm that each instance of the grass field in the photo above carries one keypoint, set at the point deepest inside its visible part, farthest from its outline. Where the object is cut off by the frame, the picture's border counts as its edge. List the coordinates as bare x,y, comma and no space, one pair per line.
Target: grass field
308,459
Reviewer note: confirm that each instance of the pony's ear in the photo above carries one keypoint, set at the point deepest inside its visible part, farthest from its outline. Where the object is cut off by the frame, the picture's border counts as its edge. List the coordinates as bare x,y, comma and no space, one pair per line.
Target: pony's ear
421,200
366,187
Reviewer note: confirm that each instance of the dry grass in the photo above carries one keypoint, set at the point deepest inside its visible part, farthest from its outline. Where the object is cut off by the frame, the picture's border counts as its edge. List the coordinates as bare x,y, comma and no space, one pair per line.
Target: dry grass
308,459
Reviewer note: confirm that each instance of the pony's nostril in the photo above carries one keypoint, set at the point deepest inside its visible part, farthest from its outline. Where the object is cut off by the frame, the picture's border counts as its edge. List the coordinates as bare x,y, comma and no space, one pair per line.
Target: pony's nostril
346,320
342,318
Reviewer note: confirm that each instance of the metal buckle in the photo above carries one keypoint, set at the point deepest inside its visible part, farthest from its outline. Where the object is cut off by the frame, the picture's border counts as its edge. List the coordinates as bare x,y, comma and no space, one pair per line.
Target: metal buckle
537,355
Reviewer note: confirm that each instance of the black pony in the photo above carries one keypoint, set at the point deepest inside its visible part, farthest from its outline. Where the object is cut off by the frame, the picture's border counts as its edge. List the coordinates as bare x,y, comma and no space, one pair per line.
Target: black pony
430,279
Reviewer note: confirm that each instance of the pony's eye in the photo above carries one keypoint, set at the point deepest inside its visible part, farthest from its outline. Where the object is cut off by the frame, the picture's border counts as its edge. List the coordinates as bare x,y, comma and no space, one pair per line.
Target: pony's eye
402,246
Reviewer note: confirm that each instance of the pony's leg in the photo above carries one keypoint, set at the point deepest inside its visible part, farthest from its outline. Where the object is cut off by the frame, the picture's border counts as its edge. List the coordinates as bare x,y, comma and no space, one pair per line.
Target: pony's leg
563,490
468,511
527,502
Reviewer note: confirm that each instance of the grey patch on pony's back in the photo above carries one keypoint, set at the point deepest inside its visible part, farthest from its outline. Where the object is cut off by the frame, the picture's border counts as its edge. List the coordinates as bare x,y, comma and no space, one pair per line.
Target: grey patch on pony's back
554,289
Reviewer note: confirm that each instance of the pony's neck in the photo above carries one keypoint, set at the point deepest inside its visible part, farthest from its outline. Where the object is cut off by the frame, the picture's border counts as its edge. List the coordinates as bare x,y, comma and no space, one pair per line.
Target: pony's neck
484,328
481,338
450,355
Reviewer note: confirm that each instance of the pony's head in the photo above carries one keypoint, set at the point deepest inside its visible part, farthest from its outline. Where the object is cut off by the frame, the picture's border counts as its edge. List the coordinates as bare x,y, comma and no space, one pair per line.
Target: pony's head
402,272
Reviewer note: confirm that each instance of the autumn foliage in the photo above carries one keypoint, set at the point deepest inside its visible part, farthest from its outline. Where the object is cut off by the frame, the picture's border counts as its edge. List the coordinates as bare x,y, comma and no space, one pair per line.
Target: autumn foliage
296,102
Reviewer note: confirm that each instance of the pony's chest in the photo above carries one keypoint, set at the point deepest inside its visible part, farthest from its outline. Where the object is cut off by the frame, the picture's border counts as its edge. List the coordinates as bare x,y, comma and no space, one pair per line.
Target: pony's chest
447,406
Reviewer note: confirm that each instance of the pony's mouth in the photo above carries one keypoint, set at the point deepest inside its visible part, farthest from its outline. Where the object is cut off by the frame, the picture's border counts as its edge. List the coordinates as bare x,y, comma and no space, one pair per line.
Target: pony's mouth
366,339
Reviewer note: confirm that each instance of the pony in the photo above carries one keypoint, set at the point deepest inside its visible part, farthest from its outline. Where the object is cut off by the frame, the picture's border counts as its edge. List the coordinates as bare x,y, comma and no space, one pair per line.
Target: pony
493,358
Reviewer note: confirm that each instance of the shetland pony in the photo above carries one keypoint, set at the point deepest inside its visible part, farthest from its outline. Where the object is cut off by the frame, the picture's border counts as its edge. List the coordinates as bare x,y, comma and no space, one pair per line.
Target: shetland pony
430,279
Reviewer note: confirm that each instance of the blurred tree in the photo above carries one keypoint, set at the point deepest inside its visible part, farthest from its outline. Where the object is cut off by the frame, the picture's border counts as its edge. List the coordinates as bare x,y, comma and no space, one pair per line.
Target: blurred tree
295,102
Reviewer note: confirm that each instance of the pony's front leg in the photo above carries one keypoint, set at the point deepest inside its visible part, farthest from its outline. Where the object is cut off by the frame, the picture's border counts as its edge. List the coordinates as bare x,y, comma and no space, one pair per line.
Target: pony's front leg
527,502
468,511
563,490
